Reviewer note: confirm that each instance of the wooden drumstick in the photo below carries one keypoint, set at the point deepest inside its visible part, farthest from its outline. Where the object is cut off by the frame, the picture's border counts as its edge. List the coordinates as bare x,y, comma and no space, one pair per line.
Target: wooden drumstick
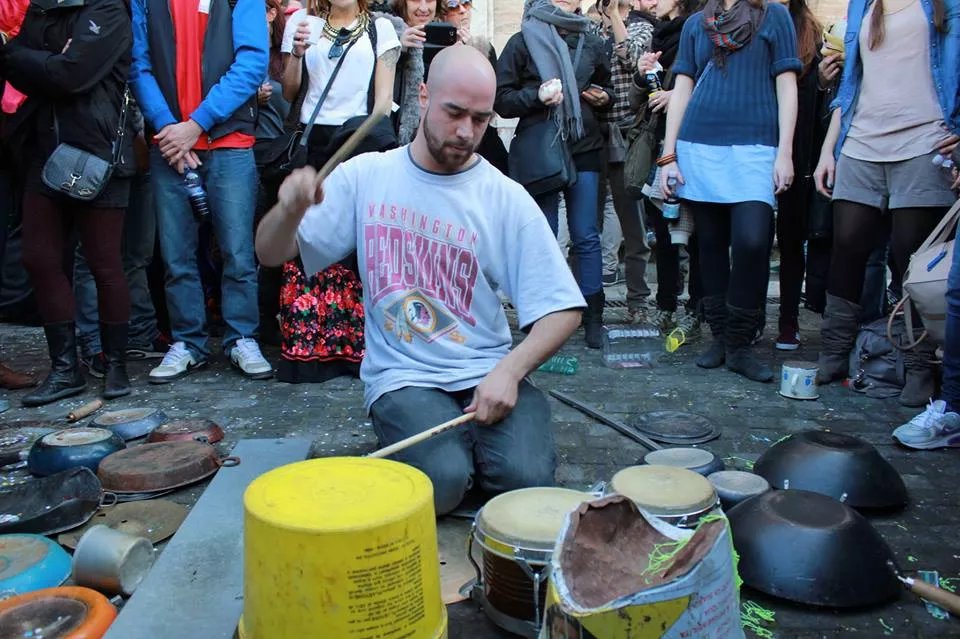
425,435
85,410
349,146
943,598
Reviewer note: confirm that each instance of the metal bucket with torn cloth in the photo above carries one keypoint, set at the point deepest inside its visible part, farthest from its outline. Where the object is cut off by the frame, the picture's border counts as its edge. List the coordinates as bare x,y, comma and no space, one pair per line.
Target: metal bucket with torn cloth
344,547
676,584
517,533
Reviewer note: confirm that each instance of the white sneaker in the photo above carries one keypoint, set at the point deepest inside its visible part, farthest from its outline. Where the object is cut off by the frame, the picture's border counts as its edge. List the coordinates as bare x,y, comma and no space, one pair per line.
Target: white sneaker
176,363
933,428
246,356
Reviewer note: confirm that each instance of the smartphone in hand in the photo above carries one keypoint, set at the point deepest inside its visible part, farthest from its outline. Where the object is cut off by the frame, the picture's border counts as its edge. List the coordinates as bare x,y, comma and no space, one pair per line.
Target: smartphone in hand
440,34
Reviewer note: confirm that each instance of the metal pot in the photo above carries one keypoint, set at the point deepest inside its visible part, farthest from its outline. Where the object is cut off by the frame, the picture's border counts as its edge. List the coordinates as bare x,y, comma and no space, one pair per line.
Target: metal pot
111,561
70,448
812,549
833,464
130,423
200,430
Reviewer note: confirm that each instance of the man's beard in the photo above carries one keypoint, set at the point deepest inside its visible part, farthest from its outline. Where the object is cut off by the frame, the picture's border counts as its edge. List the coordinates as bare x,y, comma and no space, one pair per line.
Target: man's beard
449,156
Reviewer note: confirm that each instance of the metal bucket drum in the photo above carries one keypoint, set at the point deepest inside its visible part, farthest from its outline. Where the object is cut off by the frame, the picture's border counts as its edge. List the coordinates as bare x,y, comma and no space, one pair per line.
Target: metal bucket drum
677,496
517,532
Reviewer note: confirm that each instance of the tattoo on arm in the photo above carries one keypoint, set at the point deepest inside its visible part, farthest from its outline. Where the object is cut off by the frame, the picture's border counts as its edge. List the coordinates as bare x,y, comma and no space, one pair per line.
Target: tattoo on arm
389,58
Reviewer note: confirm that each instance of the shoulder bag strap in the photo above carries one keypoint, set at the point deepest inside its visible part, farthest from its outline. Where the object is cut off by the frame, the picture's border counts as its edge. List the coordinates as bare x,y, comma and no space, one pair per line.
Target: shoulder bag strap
371,90
121,127
323,96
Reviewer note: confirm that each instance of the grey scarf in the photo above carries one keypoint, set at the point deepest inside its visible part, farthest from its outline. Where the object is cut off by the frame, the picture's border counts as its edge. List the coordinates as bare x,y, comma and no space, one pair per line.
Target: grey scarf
551,56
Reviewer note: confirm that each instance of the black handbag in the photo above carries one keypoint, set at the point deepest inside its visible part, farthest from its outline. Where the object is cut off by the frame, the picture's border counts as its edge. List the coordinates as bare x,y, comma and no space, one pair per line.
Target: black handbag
288,152
80,174
540,159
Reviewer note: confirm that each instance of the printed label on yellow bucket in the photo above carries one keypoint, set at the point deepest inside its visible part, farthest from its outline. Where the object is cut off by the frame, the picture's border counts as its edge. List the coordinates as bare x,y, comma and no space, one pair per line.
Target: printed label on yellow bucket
341,547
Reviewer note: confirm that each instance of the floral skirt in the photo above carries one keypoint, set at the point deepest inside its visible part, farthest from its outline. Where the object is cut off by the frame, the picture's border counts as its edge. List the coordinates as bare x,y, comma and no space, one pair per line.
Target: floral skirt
321,324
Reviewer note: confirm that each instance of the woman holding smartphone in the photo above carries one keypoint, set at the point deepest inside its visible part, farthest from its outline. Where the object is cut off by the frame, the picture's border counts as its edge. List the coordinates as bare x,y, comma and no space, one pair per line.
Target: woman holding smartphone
416,14
896,111
556,43
727,152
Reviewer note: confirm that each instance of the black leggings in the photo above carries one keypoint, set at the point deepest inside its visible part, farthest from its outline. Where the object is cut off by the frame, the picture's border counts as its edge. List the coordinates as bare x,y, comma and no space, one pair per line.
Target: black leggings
47,226
793,206
734,250
859,229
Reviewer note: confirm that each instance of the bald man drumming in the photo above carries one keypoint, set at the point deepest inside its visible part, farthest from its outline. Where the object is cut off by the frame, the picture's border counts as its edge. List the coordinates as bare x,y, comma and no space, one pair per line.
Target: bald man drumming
438,231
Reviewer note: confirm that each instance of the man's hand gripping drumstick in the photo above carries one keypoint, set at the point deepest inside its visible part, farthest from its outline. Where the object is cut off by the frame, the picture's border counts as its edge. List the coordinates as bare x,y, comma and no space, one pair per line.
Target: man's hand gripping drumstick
276,240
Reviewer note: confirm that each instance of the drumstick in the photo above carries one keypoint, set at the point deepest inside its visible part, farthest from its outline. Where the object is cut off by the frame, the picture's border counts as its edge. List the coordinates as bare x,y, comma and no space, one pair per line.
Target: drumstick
87,409
349,146
425,435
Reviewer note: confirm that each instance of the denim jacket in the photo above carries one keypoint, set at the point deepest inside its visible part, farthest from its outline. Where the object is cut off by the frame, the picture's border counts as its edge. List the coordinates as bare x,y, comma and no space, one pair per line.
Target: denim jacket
944,65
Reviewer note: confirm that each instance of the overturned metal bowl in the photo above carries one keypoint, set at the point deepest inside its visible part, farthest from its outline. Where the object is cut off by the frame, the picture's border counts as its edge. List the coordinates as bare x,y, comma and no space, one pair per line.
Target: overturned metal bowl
833,464
809,548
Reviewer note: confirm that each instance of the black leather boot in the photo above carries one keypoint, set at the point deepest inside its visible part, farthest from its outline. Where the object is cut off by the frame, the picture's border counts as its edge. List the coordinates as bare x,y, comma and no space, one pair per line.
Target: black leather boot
741,329
593,320
64,378
114,340
715,312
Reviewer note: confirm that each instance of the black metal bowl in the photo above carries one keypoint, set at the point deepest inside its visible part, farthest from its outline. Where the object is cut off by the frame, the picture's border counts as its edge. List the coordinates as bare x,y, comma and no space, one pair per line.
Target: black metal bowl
812,549
833,464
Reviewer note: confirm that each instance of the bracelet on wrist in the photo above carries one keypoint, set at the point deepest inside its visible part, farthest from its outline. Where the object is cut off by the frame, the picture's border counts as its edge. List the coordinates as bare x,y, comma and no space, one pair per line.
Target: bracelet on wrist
664,160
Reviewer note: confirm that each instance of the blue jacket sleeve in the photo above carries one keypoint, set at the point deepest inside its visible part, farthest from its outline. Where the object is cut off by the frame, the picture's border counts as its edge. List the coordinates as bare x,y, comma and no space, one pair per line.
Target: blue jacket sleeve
154,106
248,71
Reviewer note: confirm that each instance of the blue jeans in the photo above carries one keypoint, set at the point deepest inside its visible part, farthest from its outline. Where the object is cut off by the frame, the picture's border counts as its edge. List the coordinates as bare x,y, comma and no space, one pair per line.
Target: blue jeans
581,201
230,179
139,236
951,348
516,453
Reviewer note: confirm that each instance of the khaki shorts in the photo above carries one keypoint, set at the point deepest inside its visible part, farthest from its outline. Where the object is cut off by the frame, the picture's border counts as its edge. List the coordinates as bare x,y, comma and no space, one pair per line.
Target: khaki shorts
913,183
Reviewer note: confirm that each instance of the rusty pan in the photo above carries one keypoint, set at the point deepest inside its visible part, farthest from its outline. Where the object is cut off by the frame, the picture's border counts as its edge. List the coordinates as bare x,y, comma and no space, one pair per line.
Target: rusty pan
152,468
201,430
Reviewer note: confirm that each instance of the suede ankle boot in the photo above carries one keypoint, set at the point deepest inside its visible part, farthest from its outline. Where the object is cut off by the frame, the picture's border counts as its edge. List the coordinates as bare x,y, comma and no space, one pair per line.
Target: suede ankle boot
741,328
838,333
715,312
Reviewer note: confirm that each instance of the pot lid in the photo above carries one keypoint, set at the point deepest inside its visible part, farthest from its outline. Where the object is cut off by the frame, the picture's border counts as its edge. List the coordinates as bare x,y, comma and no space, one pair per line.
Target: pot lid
80,436
156,520
675,427
130,423
680,457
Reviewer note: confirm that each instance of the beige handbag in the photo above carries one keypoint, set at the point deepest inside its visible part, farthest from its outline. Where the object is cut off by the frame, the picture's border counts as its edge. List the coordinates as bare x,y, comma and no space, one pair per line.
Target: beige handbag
925,284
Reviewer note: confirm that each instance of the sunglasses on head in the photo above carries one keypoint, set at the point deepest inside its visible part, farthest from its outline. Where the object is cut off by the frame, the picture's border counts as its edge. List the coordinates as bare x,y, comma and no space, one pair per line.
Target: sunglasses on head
336,50
454,4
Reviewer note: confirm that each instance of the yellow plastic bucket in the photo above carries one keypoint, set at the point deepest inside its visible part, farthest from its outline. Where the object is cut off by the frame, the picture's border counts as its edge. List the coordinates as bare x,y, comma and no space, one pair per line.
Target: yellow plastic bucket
341,548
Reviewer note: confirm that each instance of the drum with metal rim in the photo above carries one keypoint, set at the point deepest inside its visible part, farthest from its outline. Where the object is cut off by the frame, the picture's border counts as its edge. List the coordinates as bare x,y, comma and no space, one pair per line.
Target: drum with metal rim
678,496
517,532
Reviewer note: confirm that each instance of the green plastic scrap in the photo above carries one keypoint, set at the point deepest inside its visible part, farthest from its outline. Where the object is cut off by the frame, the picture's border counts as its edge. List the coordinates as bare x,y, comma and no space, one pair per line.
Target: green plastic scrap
888,630
949,583
911,559
756,618
748,464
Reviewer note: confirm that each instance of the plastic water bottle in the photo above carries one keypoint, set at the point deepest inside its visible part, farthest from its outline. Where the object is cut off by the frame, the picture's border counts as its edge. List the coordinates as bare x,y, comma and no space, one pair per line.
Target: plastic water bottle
942,162
197,195
671,204
639,347
563,364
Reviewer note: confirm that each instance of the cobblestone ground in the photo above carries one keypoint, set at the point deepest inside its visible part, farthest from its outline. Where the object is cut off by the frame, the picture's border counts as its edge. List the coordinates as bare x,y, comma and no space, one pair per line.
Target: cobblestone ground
752,416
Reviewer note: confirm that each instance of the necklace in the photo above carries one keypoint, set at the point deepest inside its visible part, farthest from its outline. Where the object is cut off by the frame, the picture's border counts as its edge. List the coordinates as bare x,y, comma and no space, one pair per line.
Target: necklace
332,33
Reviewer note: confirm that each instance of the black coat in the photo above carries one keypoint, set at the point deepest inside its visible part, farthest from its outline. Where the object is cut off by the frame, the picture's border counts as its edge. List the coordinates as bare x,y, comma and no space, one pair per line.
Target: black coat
518,83
83,85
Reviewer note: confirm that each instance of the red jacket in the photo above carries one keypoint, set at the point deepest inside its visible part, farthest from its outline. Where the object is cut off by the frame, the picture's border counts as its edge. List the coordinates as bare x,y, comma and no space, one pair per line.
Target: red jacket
11,16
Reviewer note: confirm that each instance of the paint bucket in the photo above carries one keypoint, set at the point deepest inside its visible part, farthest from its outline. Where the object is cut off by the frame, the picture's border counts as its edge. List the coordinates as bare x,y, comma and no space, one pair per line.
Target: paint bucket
345,544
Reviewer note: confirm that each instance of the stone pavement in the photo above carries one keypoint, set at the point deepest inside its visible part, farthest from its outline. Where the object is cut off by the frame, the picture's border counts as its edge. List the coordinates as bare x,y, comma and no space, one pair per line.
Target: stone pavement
752,416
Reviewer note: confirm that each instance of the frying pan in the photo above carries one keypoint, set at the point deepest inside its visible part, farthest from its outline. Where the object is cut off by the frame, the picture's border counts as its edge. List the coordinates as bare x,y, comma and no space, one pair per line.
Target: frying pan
72,447
812,549
699,460
53,504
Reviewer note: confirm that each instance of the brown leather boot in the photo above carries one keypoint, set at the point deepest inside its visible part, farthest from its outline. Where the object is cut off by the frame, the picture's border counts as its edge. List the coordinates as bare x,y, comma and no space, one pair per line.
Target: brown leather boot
14,380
